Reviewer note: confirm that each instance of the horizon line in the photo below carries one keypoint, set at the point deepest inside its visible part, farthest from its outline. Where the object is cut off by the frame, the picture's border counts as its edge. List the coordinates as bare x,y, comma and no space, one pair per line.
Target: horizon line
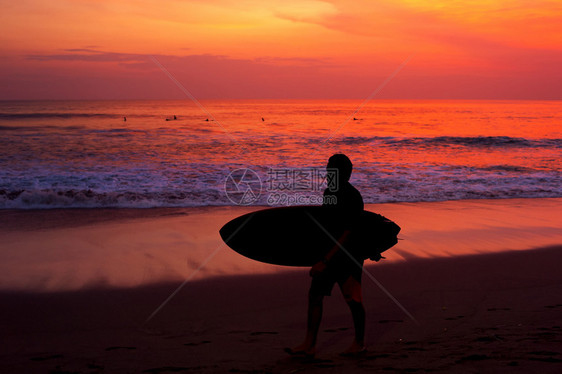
282,99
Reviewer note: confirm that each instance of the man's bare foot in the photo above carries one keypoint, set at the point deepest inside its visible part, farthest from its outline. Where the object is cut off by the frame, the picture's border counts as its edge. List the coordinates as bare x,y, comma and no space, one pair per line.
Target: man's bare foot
302,350
356,349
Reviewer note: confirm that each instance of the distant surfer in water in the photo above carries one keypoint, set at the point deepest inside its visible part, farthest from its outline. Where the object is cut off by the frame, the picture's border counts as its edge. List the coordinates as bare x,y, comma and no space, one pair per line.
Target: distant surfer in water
339,265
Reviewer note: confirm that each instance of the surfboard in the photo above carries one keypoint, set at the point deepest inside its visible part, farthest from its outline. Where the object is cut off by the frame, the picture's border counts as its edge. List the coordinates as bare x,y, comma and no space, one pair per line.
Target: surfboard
302,235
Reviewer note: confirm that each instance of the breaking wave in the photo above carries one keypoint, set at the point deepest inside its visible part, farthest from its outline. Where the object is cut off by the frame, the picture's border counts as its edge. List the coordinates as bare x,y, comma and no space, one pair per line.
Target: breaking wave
452,141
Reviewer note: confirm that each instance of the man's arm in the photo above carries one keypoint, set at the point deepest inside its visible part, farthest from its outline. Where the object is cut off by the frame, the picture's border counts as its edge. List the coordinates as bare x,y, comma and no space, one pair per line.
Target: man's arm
320,266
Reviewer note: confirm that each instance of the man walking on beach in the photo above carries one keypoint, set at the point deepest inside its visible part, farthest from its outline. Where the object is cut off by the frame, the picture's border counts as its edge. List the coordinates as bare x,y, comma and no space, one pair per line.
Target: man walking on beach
340,265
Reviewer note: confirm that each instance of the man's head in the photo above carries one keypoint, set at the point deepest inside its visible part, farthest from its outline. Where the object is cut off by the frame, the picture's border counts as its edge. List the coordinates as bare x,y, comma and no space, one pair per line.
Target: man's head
343,164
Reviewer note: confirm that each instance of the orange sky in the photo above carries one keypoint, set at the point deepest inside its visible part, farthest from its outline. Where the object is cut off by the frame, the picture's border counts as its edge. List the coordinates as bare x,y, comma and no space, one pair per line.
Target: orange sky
95,49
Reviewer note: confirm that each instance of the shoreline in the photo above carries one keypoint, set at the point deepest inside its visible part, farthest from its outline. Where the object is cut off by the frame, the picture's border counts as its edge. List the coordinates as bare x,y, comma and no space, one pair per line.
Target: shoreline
103,214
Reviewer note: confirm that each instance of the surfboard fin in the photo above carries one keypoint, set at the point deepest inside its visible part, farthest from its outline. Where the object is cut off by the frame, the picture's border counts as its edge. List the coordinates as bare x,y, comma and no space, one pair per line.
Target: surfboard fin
377,257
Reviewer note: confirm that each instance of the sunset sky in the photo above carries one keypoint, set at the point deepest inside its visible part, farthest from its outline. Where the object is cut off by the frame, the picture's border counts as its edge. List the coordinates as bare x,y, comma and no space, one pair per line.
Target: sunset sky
95,49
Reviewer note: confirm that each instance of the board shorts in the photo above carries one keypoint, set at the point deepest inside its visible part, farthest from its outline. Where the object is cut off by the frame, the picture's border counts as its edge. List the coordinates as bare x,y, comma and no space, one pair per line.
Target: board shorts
338,270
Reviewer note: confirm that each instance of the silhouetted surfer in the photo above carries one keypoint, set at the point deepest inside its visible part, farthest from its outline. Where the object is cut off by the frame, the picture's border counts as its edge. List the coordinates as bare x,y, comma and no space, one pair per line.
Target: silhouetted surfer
339,265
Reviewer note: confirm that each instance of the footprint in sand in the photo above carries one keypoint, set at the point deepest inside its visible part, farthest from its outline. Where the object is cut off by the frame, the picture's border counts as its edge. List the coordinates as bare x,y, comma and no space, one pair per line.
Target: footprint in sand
45,358
376,356
336,330
327,364
416,349
114,348
193,344
545,356
544,353
175,369
454,318
317,362
263,333
475,357
489,339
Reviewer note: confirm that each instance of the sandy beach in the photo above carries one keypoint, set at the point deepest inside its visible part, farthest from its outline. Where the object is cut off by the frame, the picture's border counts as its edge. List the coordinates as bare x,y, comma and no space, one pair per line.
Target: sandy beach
81,291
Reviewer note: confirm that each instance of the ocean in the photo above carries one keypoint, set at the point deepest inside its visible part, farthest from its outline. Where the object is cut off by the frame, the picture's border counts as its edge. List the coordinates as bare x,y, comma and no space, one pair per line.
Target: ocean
143,154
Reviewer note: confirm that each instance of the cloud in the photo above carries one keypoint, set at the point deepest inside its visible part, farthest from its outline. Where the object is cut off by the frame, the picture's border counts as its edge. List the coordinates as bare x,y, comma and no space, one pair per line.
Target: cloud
211,64
94,55
453,26
92,73
89,55
308,11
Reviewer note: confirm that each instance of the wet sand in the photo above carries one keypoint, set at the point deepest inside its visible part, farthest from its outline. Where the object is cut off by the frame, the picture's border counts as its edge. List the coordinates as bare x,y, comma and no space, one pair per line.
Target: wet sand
497,311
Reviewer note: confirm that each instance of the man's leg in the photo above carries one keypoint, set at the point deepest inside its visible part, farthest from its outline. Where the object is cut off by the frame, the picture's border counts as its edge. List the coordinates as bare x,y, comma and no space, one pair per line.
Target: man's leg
315,307
351,290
